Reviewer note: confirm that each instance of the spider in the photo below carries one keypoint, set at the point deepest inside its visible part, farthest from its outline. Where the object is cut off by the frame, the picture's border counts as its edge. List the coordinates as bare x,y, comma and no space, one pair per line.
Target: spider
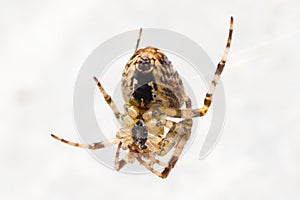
154,96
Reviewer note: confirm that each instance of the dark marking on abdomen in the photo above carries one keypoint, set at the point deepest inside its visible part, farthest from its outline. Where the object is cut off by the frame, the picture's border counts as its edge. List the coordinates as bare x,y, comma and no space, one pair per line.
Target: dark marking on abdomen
142,89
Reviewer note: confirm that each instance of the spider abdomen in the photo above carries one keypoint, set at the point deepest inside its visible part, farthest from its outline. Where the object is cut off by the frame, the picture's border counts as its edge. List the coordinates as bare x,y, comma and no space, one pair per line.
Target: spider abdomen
149,78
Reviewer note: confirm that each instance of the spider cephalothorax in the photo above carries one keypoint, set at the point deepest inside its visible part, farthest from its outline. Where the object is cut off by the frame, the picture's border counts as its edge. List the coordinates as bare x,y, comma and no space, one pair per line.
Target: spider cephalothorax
139,134
154,96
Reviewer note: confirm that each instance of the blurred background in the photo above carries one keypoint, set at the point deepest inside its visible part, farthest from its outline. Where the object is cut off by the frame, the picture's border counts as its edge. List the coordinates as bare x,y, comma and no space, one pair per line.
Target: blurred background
43,45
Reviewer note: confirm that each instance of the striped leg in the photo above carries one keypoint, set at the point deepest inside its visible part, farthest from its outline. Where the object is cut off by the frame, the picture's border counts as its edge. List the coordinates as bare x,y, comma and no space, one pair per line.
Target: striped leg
177,136
183,132
174,134
119,163
147,165
138,40
94,146
178,150
108,99
186,113
153,160
171,163
221,64
167,142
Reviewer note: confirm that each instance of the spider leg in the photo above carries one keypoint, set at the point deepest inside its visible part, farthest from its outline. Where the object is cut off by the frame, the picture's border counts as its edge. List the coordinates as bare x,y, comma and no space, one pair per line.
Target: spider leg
138,40
174,135
123,119
163,144
108,99
186,113
221,64
119,163
177,136
93,146
147,165
152,158
171,163
178,150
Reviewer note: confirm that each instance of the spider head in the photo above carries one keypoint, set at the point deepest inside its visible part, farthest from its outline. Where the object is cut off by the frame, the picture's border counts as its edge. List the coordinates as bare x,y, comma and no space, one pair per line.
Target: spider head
140,134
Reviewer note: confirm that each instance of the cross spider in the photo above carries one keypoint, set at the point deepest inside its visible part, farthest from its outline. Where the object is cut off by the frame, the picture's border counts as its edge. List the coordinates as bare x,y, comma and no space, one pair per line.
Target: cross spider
154,94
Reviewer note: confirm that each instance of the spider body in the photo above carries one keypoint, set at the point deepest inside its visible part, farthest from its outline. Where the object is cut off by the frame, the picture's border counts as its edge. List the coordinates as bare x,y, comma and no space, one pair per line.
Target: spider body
149,84
154,95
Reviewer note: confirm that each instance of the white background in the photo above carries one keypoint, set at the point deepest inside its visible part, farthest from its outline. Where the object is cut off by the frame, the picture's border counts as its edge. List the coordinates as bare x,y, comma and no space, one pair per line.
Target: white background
43,45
